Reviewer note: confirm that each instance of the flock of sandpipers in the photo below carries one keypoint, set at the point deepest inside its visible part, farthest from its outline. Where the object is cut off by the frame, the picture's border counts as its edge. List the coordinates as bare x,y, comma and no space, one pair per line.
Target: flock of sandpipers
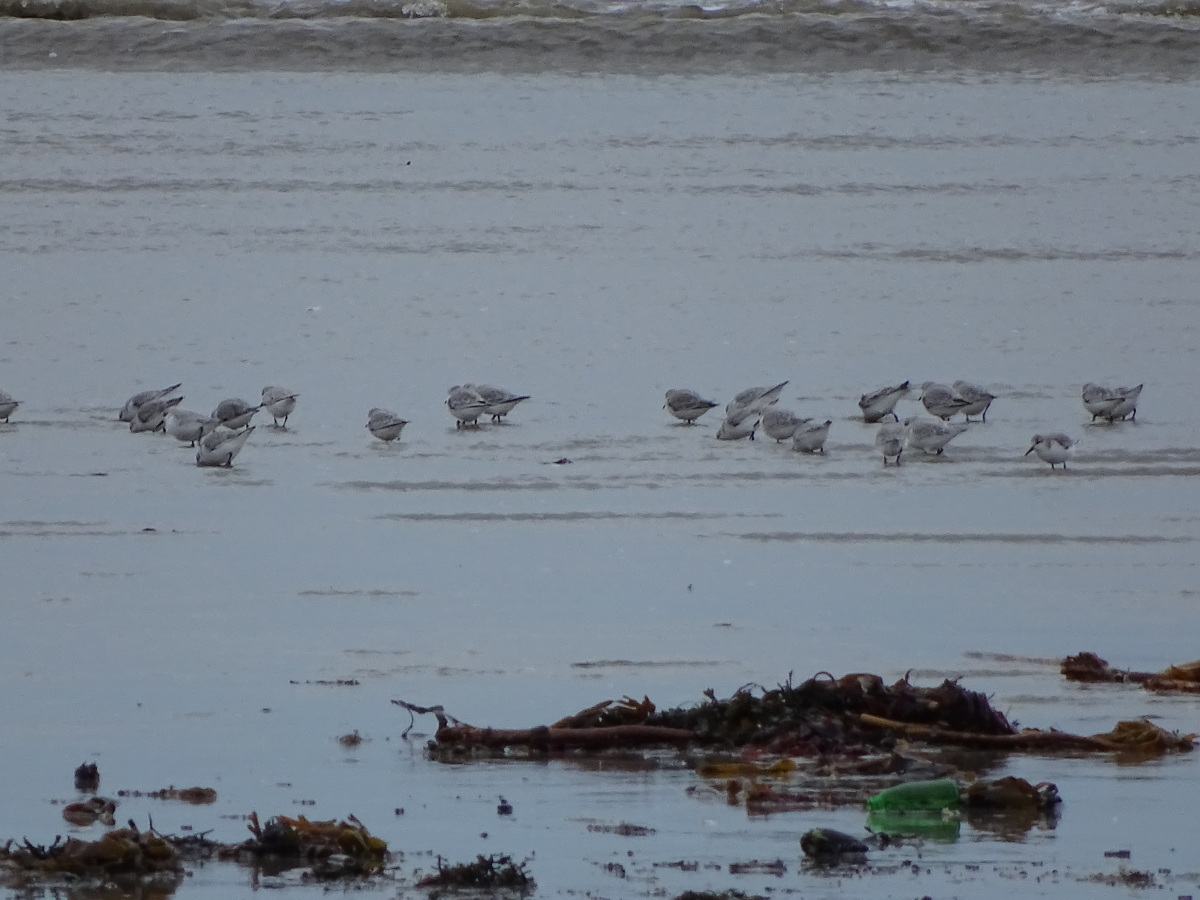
220,436
756,407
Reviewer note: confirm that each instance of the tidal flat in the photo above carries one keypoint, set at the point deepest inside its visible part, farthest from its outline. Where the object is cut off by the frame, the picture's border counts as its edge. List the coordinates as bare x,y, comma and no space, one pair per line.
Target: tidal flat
371,239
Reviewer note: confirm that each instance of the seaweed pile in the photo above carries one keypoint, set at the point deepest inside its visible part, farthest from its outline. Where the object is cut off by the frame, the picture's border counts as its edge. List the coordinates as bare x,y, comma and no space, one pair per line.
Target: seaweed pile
486,873
122,856
1088,667
851,716
135,859
822,715
335,849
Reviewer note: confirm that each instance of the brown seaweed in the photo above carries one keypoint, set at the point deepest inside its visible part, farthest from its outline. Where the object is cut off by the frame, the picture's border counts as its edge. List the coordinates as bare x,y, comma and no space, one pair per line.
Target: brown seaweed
1088,667
485,873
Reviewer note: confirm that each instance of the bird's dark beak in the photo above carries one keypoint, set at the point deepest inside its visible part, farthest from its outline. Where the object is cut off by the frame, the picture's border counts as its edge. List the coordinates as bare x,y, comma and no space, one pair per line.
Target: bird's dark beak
1030,450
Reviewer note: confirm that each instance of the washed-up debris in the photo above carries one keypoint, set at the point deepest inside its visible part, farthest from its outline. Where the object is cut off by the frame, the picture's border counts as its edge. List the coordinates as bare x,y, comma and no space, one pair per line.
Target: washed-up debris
623,829
88,812
1131,878
136,859
300,839
932,809
932,795
855,715
126,852
822,715
1010,807
718,895
487,872
1132,737
1088,667
197,796
1011,793
828,845
627,729
87,777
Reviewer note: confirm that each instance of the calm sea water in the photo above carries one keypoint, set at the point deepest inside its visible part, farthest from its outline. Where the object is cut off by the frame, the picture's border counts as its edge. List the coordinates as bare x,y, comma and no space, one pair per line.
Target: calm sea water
371,238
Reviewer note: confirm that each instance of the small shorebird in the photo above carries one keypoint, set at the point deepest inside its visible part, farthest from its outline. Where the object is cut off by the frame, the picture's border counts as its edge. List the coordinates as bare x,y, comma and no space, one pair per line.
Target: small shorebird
234,413
739,424
755,398
1100,401
385,424
149,416
879,404
499,401
7,405
687,405
978,400
465,405
220,447
932,435
188,425
891,439
781,424
132,404
1127,408
941,401
1052,448
810,436
279,402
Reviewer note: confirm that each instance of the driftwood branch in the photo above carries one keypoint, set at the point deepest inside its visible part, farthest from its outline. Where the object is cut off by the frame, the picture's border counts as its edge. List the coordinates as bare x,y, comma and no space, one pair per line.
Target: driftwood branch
562,738
1088,667
1140,737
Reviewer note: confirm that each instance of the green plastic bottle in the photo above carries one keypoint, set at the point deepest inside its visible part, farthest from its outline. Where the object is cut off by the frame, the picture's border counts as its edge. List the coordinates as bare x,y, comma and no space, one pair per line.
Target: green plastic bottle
940,793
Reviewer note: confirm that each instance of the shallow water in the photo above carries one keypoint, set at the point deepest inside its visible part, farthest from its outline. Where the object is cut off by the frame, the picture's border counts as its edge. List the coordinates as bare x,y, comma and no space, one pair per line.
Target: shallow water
370,240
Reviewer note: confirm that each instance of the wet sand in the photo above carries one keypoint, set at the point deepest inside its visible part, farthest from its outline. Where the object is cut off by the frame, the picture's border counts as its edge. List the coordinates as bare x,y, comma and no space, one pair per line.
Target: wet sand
591,242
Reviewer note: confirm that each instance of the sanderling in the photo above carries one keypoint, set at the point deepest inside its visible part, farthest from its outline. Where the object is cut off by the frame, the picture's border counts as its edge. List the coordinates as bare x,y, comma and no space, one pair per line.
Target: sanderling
7,405
279,402
978,400
188,425
882,403
932,435
149,416
687,405
1052,448
756,398
1100,401
1127,408
465,405
385,424
940,400
891,440
220,447
234,413
132,404
810,436
499,401
780,424
739,424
